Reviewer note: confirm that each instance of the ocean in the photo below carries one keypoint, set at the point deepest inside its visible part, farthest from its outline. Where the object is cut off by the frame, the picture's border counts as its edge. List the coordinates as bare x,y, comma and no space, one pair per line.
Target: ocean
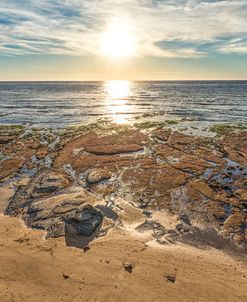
60,104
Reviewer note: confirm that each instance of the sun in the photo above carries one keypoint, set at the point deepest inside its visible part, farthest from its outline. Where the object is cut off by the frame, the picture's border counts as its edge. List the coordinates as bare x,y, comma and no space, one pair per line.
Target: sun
118,41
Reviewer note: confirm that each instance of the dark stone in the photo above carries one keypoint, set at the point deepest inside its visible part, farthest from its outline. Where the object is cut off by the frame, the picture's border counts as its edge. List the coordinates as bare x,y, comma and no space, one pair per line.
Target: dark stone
157,228
171,279
108,212
185,219
65,276
159,232
179,227
128,267
83,227
145,226
147,214
46,189
86,221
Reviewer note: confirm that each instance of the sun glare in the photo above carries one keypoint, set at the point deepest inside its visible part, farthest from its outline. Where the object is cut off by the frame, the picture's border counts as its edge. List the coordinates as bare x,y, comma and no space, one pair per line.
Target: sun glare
118,40
117,100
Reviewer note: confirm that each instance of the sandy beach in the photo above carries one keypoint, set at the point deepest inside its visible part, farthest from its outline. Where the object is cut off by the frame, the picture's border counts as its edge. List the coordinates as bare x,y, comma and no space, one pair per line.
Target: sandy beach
123,151
33,269
123,213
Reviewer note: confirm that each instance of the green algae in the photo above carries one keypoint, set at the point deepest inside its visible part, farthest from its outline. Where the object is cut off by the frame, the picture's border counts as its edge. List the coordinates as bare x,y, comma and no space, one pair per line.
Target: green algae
151,124
226,129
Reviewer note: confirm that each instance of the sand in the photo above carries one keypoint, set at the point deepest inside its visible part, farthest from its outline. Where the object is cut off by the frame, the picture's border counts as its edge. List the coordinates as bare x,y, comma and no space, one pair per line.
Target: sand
34,269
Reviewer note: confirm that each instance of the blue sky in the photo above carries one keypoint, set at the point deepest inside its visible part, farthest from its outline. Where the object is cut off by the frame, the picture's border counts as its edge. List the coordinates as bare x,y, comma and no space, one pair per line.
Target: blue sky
183,39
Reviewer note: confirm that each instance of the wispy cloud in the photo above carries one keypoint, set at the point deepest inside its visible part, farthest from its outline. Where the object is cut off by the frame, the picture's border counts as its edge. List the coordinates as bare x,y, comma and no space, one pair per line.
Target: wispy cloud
182,28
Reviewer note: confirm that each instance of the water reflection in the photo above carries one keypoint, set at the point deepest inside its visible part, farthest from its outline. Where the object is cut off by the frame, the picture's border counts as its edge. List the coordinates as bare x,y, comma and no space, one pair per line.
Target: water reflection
118,93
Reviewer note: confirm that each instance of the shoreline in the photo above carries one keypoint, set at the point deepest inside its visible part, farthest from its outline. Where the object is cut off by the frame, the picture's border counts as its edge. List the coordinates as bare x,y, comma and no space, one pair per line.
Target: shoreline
145,190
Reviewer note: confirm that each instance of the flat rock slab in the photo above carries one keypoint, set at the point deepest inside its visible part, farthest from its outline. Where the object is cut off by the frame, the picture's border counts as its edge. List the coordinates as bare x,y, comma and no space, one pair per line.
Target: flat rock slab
202,180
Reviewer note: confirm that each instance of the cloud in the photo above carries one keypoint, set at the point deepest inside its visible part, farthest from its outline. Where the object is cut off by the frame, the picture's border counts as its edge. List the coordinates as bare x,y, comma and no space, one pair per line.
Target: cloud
182,28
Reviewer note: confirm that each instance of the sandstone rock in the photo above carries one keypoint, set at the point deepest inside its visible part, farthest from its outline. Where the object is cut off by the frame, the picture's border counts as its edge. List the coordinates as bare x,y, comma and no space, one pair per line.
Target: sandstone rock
10,166
51,182
113,149
162,134
216,209
6,139
153,182
97,175
234,223
130,141
186,176
203,188
241,194
157,229
129,215
184,142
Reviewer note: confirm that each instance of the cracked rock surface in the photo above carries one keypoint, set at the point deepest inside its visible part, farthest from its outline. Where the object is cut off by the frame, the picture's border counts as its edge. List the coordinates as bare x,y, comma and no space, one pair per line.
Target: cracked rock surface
81,184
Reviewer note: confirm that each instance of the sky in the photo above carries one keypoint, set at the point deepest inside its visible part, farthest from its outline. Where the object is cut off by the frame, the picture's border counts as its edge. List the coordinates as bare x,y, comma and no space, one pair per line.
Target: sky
127,39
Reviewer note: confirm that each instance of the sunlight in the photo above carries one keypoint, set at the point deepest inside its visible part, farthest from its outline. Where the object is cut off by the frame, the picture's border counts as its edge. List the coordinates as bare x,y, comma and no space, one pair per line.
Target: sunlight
118,41
117,103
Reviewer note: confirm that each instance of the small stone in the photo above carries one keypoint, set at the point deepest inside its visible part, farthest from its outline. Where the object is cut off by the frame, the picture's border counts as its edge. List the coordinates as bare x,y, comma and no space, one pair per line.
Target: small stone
65,276
185,219
147,214
128,267
179,227
170,278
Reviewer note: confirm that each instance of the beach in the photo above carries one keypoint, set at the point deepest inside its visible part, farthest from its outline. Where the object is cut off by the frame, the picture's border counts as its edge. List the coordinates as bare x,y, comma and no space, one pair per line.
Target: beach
107,212
33,269
123,151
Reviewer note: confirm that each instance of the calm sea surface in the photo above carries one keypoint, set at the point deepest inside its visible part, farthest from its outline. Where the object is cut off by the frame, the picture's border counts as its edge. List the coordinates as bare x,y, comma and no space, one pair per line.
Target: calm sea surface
59,104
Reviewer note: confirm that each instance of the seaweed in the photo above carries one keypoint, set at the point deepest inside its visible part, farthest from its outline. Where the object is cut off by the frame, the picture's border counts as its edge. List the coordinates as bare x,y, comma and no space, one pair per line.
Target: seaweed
225,129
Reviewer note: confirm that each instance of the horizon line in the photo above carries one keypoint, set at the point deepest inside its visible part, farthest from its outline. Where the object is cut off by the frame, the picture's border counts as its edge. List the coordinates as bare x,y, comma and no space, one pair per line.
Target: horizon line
78,81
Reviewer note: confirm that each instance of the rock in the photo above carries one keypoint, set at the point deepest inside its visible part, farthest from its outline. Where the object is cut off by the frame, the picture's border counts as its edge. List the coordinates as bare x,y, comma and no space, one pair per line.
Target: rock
6,139
203,188
146,226
151,183
42,153
128,267
148,214
10,166
199,180
170,278
162,134
128,214
97,175
216,209
109,145
113,149
234,223
107,212
185,218
65,276
86,221
6,192
82,227
157,228
241,194
179,227
51,182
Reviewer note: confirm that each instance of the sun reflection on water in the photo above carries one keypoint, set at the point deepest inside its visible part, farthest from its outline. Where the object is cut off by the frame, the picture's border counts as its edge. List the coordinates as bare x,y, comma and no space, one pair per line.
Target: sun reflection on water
117,100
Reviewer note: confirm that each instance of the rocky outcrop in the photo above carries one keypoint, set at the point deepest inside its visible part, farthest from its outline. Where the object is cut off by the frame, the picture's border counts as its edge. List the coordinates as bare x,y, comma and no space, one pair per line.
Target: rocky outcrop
82,184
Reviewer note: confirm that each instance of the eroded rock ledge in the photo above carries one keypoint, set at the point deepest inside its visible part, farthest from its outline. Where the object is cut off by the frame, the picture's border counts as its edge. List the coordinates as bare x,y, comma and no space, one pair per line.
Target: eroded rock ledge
80,183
